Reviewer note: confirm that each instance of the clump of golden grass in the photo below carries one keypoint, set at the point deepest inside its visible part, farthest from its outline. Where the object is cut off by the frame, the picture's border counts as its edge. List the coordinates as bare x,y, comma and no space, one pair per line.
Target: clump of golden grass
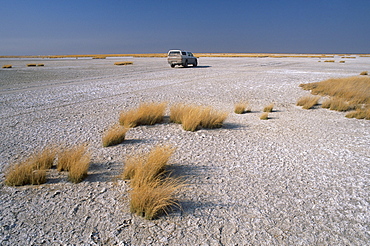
178,111
76,159
268,108
123,63
364,73
308,102
31,65
40,64
264,116
241,108
143,168
346,93
211,118
342,61
44,159
155,197
354,89
78,170
7,66
360,113
24,174
114,135
99,57
329,61
152,192
338,104
326,103
145,114
32,170
192,117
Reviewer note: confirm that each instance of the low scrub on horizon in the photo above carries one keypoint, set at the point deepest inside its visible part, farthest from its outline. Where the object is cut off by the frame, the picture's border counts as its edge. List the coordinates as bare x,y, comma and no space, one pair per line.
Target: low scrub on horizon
123,63
193,117
145,114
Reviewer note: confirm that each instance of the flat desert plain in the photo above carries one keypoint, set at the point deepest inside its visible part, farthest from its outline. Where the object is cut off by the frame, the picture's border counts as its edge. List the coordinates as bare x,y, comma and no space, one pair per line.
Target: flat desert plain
299,178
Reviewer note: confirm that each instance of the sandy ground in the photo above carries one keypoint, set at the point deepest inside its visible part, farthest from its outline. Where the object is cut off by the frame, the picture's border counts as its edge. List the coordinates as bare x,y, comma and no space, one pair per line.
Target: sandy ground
299,178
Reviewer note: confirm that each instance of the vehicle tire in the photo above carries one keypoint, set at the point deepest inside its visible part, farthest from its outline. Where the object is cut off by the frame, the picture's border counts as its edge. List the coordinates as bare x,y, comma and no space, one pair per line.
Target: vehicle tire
172,65
185,63
195,63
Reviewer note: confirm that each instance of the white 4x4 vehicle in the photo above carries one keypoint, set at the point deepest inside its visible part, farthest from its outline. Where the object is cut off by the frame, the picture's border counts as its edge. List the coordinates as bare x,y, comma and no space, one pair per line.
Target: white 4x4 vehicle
179,57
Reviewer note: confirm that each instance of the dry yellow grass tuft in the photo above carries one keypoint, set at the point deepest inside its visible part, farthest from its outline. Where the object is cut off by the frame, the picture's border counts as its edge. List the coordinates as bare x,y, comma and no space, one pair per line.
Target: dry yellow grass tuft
123,63
192,117
152,192
364,73
345,93
145,114
76,160
78,170
114,135
210,118
32,170
353,89
24,174
360,113
264,116
338,104
268,108
44,159
31,65
7,66
242,107
329,61
153,198
308,102
144,168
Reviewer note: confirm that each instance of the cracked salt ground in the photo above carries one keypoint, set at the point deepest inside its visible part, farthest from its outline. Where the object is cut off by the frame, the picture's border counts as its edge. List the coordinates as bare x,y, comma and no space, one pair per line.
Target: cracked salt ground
299,178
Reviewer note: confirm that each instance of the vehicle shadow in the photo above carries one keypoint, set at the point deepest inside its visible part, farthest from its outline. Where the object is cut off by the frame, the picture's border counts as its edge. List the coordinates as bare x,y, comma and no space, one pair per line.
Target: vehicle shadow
194,67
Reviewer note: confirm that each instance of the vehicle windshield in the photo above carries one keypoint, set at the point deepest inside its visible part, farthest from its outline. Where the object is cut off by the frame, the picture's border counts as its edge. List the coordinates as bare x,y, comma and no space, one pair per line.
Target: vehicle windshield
174,53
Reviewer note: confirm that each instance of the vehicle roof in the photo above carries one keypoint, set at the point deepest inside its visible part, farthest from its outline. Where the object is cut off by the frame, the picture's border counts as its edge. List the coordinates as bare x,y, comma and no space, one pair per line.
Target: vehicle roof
178,50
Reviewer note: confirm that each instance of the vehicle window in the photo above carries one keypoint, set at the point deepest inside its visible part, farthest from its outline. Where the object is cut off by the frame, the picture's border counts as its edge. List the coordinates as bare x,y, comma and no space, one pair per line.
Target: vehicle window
190,54
183,53
173,53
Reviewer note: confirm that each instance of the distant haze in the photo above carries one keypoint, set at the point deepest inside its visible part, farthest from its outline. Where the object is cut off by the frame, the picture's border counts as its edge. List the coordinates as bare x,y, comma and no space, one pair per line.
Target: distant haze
123,27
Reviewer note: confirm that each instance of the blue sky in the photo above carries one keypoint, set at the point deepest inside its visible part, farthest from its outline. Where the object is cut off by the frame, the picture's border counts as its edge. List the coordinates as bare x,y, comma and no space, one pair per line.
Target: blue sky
51,27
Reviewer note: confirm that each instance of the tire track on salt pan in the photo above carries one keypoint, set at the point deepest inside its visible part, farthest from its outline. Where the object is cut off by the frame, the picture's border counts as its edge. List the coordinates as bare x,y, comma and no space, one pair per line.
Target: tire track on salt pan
100,98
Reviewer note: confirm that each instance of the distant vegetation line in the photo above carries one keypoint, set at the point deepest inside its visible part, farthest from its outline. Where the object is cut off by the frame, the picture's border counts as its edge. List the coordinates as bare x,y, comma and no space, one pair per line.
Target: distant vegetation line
277,55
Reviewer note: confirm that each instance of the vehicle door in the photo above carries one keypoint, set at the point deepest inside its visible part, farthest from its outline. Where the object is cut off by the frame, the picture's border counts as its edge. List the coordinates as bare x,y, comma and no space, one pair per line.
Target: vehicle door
191,57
